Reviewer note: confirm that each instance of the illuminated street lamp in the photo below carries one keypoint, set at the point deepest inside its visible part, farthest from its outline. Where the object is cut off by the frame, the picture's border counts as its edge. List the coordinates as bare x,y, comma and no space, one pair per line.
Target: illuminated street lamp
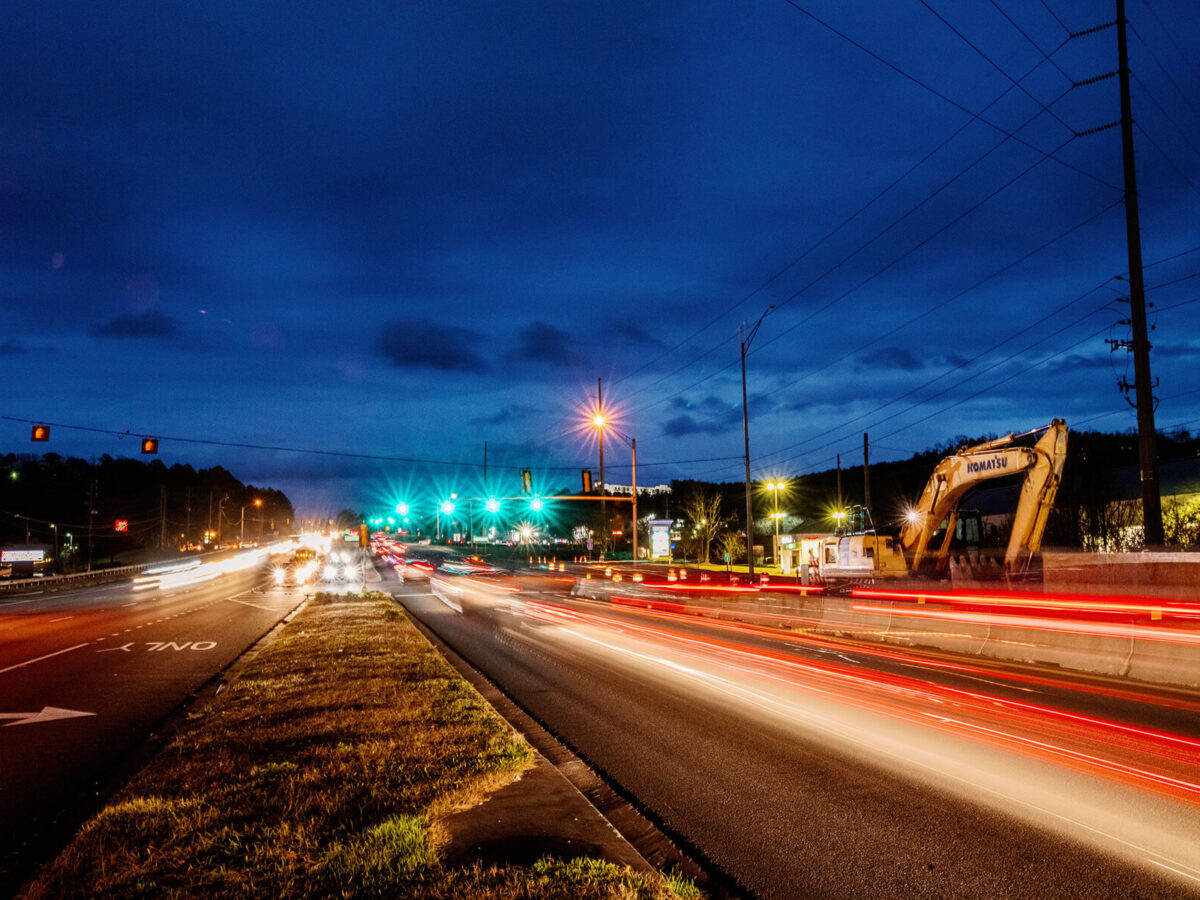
492,505
447,509
402,509
600,423
242,526
775,487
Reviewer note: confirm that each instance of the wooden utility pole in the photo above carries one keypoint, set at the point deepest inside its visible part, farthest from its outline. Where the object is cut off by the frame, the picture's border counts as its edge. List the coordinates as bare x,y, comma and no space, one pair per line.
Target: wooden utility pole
839,482
1143,385
866,474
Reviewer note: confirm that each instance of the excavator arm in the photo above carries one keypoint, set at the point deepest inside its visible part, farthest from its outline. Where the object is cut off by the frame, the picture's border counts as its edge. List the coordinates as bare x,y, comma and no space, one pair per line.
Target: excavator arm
956,474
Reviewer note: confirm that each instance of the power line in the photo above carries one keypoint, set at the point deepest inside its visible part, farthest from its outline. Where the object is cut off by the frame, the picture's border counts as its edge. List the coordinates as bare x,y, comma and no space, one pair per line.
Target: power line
925,86
997,66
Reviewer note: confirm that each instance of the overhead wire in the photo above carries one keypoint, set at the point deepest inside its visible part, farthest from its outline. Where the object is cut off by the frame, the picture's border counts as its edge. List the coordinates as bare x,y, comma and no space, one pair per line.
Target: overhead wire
978,115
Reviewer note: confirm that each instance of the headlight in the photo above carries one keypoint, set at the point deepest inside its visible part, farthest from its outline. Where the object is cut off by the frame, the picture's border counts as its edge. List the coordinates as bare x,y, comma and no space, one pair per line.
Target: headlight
330,573
280,574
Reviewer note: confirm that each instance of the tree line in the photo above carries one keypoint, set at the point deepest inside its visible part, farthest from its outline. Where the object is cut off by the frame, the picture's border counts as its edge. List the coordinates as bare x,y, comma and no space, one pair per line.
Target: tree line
60,502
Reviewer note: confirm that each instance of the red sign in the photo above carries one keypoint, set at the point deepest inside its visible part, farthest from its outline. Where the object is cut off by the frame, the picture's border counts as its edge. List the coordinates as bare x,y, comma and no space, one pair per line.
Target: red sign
122,524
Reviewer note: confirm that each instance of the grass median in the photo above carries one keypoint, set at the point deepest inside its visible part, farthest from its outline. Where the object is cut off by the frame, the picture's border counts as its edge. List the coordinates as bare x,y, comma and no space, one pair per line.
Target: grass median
325,769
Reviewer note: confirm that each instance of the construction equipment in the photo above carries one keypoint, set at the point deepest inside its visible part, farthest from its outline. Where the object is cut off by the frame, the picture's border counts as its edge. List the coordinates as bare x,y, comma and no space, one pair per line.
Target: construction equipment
931,528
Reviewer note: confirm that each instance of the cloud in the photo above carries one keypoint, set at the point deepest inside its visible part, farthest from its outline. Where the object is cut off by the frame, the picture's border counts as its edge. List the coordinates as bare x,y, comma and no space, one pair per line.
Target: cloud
715,417
681,426
893,358
542,342
428,344
634,334
504,414
151,325
15,347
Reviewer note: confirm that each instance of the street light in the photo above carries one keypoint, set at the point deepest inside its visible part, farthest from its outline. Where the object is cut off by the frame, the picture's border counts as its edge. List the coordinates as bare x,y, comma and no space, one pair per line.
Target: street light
775,487
446,508
746,431
242,525
599,421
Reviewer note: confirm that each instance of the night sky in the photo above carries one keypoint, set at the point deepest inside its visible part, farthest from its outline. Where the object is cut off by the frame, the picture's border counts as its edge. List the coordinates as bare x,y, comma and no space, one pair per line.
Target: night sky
401,230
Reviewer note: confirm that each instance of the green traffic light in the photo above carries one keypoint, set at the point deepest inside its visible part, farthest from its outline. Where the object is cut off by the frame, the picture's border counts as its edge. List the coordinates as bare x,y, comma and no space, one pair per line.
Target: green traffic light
493,505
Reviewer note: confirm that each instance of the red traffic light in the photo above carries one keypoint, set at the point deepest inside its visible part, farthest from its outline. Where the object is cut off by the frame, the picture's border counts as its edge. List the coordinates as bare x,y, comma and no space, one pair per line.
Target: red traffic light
149,445
40,433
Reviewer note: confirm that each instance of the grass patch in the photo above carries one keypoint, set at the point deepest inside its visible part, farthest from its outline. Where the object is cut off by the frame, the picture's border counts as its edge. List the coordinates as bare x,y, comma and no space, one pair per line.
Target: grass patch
323,771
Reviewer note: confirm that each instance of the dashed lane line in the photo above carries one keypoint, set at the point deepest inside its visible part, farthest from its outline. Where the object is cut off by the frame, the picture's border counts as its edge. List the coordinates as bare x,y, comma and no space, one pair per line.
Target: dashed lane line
30,662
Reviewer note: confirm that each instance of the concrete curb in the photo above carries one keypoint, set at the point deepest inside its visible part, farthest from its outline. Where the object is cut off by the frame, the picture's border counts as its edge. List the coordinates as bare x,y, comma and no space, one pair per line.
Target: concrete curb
574,805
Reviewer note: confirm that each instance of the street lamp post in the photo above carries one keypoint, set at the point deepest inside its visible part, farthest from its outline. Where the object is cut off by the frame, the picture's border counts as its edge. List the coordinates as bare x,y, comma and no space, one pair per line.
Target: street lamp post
746,432
242,525
775,487
600,422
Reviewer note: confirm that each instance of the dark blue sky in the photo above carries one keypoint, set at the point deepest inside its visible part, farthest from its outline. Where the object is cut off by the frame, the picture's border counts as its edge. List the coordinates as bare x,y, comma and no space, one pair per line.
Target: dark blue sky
402,230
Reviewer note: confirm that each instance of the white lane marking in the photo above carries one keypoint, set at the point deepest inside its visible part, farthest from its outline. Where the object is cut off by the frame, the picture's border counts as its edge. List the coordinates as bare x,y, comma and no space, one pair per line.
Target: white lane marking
1159,862
62,619
47,714
30,662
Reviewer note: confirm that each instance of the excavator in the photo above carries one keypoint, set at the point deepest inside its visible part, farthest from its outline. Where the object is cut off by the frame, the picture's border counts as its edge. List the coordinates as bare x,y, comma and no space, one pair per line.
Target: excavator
923,548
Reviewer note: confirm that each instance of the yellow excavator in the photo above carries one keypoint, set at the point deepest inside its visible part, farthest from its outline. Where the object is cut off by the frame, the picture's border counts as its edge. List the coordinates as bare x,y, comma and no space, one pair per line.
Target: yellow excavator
927,538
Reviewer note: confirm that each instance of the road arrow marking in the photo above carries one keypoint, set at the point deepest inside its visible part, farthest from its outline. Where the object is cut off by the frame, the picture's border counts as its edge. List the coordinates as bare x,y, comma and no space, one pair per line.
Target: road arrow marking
48,714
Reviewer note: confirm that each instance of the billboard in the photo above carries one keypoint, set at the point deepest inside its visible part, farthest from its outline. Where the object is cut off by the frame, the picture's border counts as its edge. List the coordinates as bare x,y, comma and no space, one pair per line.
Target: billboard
25,556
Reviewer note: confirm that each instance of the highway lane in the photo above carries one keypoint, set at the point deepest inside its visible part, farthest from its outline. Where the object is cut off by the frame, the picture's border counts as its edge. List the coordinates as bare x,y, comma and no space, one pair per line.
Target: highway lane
815,772
86,674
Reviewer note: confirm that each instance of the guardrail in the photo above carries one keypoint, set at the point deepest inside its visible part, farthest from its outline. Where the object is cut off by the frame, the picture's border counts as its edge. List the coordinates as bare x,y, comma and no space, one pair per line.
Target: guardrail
52,582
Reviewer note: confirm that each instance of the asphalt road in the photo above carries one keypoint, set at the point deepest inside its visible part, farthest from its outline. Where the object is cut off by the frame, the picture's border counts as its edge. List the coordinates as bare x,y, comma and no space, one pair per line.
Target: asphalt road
814,772
87,674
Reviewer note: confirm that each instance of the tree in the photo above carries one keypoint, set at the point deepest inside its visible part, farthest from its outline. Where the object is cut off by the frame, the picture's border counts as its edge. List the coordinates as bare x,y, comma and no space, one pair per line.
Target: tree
732,545
348,519
702,510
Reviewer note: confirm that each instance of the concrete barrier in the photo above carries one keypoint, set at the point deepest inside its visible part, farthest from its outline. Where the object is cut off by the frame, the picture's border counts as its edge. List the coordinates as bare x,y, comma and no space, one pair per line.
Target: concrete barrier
1138,646
1157,574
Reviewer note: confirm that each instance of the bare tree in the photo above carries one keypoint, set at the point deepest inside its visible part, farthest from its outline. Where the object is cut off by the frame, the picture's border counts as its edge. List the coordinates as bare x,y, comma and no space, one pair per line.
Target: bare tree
732,545
702,510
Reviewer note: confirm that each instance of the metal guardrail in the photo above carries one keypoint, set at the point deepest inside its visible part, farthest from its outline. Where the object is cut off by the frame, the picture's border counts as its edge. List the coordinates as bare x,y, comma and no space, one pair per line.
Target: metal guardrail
54,581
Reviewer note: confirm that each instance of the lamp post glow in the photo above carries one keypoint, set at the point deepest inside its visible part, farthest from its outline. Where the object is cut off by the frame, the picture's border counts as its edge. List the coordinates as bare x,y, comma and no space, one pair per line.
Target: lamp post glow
600,422
242,525
775,487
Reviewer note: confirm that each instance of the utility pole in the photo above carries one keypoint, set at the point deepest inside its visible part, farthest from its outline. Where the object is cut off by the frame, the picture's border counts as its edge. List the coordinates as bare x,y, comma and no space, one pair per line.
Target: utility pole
604,535
187,528
1152,527
866,474
162,517
91,521
839,482
746,434
633,448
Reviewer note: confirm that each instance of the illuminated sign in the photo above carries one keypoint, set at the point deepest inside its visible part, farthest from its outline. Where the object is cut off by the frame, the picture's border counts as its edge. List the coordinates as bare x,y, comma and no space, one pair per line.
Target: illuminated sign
660,537
121,525
16,556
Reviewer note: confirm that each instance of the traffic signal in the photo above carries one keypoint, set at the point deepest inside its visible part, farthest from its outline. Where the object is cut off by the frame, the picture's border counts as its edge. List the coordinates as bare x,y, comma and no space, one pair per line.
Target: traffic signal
492,505
587,481
40,433
149,445
526,482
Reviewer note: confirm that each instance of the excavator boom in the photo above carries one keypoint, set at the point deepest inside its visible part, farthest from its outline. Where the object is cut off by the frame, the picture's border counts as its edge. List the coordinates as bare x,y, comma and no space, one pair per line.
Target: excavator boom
958,473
